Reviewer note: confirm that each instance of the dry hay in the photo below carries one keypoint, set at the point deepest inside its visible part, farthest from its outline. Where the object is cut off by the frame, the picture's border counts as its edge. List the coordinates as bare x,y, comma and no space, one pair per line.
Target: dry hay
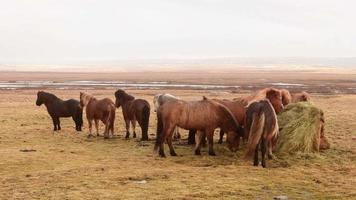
301,129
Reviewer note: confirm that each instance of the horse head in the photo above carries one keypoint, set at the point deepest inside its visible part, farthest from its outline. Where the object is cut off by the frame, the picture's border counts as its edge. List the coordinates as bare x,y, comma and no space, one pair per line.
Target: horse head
275,97
286,97
84,99
40,98
122,97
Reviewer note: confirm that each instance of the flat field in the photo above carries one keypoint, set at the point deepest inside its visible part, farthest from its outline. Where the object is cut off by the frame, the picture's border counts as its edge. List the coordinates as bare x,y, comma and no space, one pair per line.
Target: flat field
68,165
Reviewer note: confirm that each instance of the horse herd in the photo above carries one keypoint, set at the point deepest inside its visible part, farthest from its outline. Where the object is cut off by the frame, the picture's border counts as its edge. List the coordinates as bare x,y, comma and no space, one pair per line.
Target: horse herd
252,118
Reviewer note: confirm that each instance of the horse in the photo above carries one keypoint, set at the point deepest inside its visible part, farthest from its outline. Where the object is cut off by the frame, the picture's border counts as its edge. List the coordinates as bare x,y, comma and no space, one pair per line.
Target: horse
272,94
103,109
57,108
160,99
286,97
301,96
133,110
239,111
204,115
262,126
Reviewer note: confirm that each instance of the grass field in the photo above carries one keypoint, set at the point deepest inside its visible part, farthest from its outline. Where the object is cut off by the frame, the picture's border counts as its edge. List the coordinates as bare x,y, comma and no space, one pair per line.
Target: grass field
68,165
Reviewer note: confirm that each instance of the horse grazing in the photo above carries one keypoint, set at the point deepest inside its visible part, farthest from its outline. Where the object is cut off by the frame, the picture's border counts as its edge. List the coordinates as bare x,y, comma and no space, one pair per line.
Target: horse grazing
134,110
160,99
286,97
96,110
301,96
272,94
57,108
262,125
204,115
238,109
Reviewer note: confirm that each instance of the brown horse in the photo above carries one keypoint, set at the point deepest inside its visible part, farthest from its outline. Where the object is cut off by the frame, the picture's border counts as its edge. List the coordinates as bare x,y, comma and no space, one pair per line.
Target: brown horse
262,126
272,94
205,116
57,108
301,96
238,109
134,110
96,110
286,97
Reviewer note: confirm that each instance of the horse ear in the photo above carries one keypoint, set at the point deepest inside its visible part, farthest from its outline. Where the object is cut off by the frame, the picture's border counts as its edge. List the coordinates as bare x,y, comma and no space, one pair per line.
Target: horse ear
204,98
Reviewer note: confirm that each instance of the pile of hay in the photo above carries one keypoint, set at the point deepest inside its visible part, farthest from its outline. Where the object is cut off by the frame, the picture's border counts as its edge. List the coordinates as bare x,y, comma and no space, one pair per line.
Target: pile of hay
301,129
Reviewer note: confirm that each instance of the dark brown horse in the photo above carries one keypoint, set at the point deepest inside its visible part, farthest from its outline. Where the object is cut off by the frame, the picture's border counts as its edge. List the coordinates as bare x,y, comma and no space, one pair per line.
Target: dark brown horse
134,110
205,116
96,110
262,125
57,108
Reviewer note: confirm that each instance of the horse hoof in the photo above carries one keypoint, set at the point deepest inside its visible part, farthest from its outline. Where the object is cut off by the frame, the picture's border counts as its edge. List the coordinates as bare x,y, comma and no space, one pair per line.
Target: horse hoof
197,153
212,154
173,153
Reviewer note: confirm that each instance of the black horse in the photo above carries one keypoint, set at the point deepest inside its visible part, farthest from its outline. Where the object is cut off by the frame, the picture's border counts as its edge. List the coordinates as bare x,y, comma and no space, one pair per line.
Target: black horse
57,108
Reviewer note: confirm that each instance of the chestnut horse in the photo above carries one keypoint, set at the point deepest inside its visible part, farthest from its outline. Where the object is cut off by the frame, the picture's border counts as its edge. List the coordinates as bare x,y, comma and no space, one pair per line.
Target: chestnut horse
205,116
301,96
57,108
160,99
287,97
96,110
272,94
134,110
239,111
262,126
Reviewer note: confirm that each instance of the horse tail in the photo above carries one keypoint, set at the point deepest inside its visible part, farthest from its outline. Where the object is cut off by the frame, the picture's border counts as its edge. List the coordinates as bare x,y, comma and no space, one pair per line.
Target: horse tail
112,119
79,116
159,133
145,121
256,132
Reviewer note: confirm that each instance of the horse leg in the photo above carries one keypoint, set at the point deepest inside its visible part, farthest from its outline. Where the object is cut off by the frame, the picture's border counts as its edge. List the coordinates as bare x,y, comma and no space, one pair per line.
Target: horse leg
210,136
127,123
133,123
198,138
269,146
90,122
58,123
76,121
191,136
263,151
221,137
176,133
170,131
106,132
255,161
97,126
54,123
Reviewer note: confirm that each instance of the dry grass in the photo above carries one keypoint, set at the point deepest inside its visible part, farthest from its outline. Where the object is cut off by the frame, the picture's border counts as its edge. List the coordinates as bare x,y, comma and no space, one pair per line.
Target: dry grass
67,165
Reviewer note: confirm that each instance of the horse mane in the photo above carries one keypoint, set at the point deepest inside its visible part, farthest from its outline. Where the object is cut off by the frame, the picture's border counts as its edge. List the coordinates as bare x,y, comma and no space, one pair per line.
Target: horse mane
226,110
48,95
122,95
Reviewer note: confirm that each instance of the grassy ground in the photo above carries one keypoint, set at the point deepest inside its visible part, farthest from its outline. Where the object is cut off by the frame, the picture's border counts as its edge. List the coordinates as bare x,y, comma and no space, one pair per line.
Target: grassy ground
67,165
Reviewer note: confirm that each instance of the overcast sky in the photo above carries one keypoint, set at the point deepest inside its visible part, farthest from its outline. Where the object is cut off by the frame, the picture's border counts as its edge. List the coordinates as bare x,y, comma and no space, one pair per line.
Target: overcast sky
65,31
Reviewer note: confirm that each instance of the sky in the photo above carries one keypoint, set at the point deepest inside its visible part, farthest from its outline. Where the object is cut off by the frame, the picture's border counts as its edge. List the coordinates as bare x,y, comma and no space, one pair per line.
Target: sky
84,31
